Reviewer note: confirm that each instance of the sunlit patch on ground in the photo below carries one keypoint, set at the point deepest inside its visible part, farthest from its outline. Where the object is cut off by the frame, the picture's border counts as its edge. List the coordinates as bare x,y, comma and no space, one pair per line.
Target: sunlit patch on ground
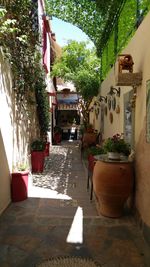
53,182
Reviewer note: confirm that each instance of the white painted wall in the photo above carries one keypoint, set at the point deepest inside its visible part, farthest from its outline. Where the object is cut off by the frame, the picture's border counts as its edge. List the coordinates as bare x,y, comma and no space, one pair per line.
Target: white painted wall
16,131
139,48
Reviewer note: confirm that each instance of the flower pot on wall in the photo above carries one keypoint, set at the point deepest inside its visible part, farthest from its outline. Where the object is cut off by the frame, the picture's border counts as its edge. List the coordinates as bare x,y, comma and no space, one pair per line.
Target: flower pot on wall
19,186
112,183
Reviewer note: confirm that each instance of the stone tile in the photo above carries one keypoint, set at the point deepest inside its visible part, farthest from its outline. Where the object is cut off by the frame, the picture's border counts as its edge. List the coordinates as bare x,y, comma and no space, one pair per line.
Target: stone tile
36,229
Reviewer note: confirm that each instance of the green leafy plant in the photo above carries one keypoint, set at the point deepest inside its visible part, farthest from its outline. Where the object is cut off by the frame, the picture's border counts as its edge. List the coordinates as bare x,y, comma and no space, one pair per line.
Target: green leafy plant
20,41
95,150
20,166
80,65
42,105
95,18
57,129
117,144
109,23
38,145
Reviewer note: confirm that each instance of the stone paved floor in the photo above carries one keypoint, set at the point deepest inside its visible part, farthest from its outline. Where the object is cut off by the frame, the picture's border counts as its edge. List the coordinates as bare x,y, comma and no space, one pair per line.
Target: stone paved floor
58,219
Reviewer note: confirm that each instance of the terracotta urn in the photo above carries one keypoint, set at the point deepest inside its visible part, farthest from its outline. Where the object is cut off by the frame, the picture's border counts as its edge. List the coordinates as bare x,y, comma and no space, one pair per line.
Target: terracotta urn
112,183
89,139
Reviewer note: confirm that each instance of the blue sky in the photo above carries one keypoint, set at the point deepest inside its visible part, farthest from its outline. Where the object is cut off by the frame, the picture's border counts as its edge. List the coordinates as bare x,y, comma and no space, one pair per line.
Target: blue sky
65,31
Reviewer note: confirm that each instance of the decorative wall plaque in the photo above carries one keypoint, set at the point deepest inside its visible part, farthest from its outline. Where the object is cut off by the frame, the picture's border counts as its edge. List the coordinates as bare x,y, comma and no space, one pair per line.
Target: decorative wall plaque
148,111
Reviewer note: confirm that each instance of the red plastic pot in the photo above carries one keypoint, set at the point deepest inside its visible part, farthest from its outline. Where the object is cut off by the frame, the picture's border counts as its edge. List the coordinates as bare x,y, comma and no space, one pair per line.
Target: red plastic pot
37,161
19,186
91,162
57,138
47,146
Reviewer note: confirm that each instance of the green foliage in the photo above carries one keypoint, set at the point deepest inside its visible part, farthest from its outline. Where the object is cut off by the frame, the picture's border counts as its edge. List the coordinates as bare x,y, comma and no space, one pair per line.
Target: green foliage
42,105
95,150
124,27
20,45
37,145
22,167
117,144
80,65
109,23
57,129
95,18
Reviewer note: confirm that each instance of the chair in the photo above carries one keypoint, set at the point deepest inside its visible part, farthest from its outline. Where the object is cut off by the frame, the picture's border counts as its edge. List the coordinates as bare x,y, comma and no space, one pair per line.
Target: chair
91,164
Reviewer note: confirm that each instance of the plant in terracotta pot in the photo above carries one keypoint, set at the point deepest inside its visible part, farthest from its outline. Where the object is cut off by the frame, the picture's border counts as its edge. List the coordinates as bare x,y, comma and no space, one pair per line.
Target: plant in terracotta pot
37,155
113,177
116,146
89,128
89,136
19,182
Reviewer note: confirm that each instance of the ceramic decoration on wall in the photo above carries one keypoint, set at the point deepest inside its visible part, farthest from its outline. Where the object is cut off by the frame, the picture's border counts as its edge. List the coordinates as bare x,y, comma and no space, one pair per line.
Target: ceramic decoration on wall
117,109
96,112
111,117
105,110
114,103
117,105
148,111
109,103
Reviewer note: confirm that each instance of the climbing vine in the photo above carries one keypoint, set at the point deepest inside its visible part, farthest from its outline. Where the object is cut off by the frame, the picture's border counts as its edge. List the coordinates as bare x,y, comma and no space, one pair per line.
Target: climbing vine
109,23
95,18
20,41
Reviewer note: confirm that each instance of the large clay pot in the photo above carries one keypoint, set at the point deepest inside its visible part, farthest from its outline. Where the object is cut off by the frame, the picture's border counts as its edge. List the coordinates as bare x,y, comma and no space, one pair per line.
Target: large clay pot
112,183
89,139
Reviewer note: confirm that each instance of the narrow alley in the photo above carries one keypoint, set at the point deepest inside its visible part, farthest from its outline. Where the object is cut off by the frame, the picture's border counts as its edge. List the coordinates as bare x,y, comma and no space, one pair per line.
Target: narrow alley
59,220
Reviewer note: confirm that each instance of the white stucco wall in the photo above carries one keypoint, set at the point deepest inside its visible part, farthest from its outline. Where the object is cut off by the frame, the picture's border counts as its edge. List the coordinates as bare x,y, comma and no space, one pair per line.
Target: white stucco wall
139,48
6,132
17,128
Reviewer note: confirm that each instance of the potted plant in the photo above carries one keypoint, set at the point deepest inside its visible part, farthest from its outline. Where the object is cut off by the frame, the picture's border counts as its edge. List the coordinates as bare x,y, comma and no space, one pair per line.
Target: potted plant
95,150
47,148
37,155
113,177
89,136
57,135
116,146
19,182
